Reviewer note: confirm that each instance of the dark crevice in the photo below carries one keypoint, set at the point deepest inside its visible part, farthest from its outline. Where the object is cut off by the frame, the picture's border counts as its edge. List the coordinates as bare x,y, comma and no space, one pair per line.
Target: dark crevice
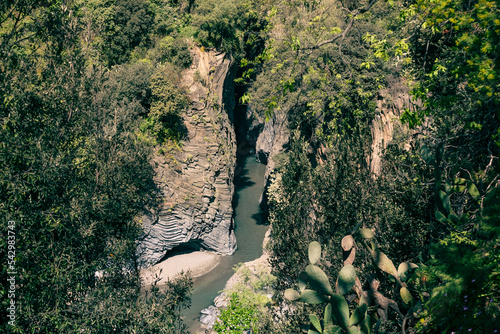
184,248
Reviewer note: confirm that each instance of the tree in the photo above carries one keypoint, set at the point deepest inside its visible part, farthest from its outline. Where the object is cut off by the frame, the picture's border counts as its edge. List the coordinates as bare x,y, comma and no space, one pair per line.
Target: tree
75,178
129,27
230,26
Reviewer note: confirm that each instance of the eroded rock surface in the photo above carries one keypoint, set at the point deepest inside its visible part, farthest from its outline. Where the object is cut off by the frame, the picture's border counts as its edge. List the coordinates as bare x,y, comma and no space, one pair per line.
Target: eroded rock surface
390,106
197,180
272,138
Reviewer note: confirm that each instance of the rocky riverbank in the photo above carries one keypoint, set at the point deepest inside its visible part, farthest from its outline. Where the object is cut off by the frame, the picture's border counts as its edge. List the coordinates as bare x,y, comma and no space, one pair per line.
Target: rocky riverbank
244,277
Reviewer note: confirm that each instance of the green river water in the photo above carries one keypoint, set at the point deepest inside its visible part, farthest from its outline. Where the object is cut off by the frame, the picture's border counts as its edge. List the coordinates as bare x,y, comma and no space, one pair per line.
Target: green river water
249,230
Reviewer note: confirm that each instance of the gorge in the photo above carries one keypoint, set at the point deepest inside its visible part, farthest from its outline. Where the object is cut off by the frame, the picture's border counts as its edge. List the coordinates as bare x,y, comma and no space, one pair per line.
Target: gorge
216,170
363,137
216,182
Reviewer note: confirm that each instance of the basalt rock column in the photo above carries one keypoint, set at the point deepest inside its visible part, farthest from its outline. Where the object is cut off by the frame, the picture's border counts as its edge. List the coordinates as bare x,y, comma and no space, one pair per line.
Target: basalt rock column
197,180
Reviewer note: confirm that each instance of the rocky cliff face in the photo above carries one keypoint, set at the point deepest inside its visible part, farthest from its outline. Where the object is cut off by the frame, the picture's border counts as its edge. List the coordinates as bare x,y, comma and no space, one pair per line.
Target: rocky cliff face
390,107
271,138
197,180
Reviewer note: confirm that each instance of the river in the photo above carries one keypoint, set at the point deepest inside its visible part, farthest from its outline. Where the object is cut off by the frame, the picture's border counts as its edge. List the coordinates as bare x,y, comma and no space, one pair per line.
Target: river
249,230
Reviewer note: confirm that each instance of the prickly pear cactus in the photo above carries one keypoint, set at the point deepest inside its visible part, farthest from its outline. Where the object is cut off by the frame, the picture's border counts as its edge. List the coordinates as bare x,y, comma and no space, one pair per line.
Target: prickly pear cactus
337,318
314,288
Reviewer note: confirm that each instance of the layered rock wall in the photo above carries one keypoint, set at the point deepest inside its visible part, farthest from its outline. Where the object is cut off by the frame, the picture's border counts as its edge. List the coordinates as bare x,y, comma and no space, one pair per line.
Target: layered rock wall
197,180
390,106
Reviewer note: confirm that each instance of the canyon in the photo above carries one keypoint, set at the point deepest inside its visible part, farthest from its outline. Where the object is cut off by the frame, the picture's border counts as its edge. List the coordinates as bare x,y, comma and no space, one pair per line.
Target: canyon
197,180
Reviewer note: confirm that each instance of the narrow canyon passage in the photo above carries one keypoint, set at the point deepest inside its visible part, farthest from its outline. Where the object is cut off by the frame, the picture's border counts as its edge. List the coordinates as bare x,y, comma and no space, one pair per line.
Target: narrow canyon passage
249,230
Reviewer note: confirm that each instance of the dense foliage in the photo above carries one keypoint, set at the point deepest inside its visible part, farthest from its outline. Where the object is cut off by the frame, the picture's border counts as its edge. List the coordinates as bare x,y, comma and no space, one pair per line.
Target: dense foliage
324,69
76,172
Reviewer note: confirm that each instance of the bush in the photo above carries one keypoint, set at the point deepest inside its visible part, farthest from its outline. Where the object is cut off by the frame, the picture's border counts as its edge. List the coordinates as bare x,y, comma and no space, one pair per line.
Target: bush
169,99
173,50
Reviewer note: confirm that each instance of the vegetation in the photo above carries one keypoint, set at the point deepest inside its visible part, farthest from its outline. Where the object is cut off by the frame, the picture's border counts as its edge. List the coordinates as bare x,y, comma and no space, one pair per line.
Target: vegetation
76,175
249,302
90,90
435,180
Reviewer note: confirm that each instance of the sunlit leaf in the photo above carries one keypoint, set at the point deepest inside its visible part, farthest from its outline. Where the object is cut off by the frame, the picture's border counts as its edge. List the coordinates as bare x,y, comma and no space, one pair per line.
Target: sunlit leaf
384,263
473,190
366,233
328,315
318,280
314,252
291,294
315,322
406,295
404,267
347,278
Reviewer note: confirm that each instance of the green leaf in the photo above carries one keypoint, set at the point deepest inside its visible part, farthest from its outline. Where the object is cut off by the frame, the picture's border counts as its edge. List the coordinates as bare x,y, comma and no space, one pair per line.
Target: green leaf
335,31
340,310
347,278
406,295
404,267
313,297
312,331
358,315
473,190
459,184
315,322
440,217
302,281
447,187
366,327
458,188
332,329
318,280
366,233
454,218
362,300
314,252
328,315
291,294
384,263
354,330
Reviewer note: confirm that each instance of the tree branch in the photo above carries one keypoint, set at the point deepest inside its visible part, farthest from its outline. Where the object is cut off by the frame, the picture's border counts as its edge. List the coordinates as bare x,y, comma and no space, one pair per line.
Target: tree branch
346,30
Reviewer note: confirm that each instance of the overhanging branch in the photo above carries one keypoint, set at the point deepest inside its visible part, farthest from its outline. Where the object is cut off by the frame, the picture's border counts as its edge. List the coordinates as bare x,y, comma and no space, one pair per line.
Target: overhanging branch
347,29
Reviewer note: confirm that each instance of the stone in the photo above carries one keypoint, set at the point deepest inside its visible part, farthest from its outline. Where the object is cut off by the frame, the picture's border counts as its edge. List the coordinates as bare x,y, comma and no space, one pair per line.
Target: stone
272,139
209,315
390,105
196,182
